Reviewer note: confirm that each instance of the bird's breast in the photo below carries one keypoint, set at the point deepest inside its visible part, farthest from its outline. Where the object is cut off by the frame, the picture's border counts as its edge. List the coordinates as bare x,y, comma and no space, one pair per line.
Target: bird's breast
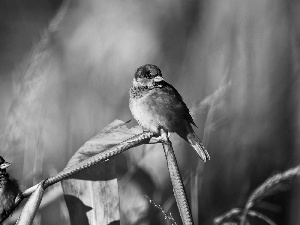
142,112
151,113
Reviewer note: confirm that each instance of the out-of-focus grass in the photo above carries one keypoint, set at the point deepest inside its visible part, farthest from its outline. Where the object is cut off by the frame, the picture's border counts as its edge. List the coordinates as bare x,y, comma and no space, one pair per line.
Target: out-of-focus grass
82,84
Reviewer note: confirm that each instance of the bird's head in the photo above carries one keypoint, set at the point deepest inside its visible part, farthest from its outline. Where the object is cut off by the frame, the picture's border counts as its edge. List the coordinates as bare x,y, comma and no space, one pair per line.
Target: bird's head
3,164
147,76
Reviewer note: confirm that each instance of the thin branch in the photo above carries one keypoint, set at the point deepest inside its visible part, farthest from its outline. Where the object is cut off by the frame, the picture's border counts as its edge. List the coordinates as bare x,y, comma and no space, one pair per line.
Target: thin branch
261,216
237,213
226,216
176,179
101,157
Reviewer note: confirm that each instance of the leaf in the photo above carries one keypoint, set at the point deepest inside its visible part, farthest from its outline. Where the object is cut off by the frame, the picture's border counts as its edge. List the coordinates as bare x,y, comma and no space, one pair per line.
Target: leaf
113,134
92,194
32,206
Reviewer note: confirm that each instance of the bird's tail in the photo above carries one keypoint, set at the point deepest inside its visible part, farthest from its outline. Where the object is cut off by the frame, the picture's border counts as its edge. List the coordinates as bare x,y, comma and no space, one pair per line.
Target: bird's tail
198,146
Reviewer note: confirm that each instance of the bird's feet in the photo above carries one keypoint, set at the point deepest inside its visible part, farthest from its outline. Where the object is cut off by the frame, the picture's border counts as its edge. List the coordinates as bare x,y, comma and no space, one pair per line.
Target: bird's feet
164,134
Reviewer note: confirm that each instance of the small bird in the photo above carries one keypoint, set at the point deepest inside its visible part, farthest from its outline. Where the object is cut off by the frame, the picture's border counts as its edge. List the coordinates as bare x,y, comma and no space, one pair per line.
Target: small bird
9,189
156,104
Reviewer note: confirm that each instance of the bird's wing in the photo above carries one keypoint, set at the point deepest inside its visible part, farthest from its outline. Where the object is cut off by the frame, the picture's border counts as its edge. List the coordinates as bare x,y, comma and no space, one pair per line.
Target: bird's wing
171,98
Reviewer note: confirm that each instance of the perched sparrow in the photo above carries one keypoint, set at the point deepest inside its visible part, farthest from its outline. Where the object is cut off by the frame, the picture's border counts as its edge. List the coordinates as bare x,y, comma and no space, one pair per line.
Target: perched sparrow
9,189
156,104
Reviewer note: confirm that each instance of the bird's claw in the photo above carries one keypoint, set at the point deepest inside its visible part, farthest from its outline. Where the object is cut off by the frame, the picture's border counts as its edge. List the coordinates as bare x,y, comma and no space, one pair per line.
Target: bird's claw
164,134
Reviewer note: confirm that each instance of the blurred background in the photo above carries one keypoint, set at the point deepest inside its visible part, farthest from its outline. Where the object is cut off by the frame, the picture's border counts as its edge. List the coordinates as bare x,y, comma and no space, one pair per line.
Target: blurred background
62,80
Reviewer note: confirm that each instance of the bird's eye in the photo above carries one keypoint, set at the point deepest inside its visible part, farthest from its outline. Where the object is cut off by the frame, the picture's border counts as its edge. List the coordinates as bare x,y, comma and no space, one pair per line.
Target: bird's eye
148,74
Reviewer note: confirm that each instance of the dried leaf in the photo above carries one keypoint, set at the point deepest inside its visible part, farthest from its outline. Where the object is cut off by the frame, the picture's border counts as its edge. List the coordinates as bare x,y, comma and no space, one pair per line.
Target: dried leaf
92,194
113,134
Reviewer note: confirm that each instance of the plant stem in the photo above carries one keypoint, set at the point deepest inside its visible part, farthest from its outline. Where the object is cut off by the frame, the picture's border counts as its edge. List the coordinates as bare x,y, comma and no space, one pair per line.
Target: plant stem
178,188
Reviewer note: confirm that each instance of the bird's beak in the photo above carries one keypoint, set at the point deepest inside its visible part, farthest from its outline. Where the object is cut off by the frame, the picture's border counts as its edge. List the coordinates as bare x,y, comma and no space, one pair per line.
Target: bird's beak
4,165
158,79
